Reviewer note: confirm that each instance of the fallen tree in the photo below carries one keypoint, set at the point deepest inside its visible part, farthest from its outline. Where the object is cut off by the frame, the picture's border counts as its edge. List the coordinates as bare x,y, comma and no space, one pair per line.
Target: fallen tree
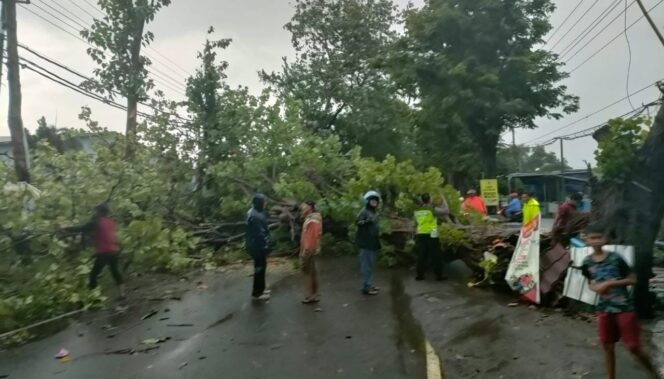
628,197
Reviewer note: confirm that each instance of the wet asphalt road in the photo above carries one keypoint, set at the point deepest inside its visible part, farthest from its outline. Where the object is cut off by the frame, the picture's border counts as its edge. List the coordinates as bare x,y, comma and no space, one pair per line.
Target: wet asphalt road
351,337
478,336
475,333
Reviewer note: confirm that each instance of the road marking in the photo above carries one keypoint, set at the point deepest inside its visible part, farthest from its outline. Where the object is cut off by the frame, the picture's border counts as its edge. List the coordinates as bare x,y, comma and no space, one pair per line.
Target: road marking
434,366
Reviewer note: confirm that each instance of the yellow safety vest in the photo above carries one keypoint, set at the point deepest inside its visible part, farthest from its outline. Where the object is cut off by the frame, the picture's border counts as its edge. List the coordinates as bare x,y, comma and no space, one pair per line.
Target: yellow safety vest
426,221
531,210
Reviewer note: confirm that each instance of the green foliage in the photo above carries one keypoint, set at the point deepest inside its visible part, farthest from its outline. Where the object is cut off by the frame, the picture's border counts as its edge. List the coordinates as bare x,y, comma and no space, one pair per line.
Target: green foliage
452,238
117,39
156,248
337,77
617,149
476,66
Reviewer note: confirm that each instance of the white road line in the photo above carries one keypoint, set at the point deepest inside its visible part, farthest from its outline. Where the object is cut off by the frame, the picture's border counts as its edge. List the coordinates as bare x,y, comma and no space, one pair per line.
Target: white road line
434,367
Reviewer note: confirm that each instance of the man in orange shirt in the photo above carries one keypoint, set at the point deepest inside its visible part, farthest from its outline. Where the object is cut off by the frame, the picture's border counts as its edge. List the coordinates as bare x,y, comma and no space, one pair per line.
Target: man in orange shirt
312,230
474,203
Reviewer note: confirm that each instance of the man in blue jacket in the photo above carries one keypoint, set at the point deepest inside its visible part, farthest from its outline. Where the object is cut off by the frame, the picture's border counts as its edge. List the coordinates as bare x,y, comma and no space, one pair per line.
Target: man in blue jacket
258,245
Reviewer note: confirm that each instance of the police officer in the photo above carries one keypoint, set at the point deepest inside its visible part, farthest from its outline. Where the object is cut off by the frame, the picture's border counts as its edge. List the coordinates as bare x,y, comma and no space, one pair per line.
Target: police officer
427,243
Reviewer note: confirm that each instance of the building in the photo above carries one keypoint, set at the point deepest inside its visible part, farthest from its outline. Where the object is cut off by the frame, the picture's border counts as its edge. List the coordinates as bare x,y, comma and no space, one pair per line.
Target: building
551,188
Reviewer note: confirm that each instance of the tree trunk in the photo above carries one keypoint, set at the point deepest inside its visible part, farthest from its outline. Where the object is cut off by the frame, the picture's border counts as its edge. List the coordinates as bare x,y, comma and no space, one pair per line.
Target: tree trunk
134,89
130,131
633,212
14,78
488,154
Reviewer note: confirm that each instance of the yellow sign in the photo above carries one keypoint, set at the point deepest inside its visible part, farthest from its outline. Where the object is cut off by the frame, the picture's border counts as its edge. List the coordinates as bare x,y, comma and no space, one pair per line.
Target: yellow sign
489,191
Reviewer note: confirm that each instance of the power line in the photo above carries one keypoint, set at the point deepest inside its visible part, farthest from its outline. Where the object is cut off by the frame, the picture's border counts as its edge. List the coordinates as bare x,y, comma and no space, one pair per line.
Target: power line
574,25
81,8
629,61
591,114
165,79
595,23
597,35
564,21
182,69
164,75
84,77
94,7
59,12
68,11
612,40
590,131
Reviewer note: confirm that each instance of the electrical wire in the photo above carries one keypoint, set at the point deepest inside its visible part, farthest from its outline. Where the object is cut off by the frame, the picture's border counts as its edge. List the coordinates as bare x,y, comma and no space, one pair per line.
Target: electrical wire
564,21
170,62
613,39
84,77
591,114
59,4
629,61
163,78
575,24
594,24
94,7
81,8
596,35
59,12
589,131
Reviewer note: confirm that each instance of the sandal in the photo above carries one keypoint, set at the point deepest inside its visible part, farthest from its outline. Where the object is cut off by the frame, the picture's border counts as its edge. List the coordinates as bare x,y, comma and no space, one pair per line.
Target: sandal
310,300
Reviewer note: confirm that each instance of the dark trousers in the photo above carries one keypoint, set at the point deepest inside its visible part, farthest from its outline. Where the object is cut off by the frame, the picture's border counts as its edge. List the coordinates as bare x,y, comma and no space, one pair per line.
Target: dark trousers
428,254
105,259
260,267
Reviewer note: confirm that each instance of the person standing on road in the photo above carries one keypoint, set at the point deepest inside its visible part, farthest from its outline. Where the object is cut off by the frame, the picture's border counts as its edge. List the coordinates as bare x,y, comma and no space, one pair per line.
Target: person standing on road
427,243
258,244
107,251
531,208
312,230
566,213
610,276
368,240
474,203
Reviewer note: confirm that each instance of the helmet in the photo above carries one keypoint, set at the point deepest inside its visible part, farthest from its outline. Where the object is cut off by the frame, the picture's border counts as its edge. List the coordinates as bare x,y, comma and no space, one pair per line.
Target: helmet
371,194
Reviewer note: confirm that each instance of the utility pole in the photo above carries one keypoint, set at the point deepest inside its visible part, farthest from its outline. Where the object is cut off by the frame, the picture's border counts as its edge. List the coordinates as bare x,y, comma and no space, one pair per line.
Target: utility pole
562,171
651,22
3,28
14,78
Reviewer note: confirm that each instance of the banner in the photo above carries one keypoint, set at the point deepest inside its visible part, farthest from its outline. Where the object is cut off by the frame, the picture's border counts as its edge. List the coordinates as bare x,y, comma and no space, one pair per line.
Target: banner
489,191
523,273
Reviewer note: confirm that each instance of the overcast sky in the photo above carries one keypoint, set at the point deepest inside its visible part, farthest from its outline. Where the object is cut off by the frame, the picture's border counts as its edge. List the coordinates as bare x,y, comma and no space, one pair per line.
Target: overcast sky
260,42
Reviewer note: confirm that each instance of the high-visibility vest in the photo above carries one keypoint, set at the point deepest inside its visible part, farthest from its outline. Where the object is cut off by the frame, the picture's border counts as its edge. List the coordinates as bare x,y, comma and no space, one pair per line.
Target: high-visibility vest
531,211
426,221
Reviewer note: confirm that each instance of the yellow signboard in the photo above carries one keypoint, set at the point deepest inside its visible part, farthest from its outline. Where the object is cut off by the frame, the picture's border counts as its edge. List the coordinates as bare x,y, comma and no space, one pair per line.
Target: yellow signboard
489,191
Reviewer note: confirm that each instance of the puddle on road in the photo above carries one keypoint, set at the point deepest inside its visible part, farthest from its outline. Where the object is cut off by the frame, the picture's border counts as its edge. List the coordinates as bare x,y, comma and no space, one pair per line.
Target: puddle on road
410,339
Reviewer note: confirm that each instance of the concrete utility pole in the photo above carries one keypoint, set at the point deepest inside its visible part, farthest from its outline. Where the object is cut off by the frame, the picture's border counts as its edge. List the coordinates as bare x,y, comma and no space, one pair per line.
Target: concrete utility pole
562,172
651,22
19,146
3,27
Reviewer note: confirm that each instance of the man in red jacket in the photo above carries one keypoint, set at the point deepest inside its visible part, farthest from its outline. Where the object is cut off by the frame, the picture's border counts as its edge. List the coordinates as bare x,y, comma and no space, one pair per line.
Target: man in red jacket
107,251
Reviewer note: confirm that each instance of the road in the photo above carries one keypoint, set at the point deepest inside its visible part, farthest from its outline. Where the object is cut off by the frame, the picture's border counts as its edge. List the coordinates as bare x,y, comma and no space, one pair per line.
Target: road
350,336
